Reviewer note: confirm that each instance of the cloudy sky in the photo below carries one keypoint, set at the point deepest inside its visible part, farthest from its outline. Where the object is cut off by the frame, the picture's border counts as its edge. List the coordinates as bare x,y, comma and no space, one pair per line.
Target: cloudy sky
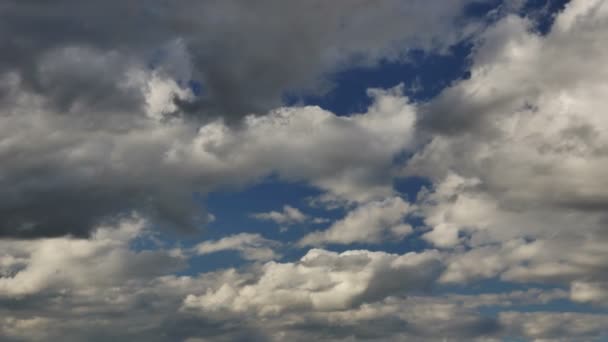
272,170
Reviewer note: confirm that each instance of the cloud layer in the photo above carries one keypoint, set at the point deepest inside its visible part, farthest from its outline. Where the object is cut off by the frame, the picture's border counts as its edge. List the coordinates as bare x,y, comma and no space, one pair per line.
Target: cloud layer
111,137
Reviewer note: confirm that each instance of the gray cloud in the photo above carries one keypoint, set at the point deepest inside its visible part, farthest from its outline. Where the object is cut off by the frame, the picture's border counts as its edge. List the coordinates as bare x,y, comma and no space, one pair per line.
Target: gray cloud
247,55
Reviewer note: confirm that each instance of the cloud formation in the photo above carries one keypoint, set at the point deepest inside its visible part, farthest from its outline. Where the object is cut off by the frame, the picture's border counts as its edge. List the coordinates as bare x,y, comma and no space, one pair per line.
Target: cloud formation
62,176
371,222
250,246
106,138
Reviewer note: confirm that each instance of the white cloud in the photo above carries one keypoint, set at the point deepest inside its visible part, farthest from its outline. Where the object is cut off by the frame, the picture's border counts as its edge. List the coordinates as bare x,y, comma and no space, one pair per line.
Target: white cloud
65,264
250,246
589,292
350,157
371,222
517,155
322,281
556,326
324,295
289,215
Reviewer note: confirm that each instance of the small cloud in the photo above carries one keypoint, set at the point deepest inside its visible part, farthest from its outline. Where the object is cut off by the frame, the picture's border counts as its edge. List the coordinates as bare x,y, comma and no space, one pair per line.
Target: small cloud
289,216
371,222
250,246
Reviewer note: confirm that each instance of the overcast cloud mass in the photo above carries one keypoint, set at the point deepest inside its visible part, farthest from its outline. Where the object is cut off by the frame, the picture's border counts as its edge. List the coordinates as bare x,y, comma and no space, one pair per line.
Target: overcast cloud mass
166,175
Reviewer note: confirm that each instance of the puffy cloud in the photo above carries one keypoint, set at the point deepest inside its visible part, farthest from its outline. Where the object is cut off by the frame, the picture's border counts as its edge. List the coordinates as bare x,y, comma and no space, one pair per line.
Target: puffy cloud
460,211
529,132
516,154
250,246
370,222
99,119
322,281
589,292
288,217
67,174
354,295
65,264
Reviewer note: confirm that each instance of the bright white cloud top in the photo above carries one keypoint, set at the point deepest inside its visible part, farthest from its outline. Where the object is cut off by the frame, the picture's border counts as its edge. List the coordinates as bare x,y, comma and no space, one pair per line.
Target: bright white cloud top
112,140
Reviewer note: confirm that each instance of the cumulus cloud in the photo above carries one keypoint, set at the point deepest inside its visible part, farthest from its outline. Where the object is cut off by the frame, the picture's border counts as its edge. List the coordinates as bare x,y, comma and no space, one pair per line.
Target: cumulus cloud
61,175
589,292
528,131
102,138
516,155
65,264
371,222
556,326
322,280
250,246
102,117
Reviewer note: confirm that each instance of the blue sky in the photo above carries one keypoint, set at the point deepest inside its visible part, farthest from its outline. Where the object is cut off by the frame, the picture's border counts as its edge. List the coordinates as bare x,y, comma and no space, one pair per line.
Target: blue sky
288,171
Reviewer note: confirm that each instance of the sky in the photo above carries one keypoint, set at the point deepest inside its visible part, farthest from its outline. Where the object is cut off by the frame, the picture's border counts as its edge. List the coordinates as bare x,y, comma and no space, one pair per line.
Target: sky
348,170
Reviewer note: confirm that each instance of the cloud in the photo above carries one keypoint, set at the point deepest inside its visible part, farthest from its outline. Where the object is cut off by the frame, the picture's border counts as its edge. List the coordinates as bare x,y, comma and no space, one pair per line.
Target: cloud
250,246
247,56
516,155
102,139
289,215
66,174
101,117
322,280
66,264
530,132
589,292
324,295
371,222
